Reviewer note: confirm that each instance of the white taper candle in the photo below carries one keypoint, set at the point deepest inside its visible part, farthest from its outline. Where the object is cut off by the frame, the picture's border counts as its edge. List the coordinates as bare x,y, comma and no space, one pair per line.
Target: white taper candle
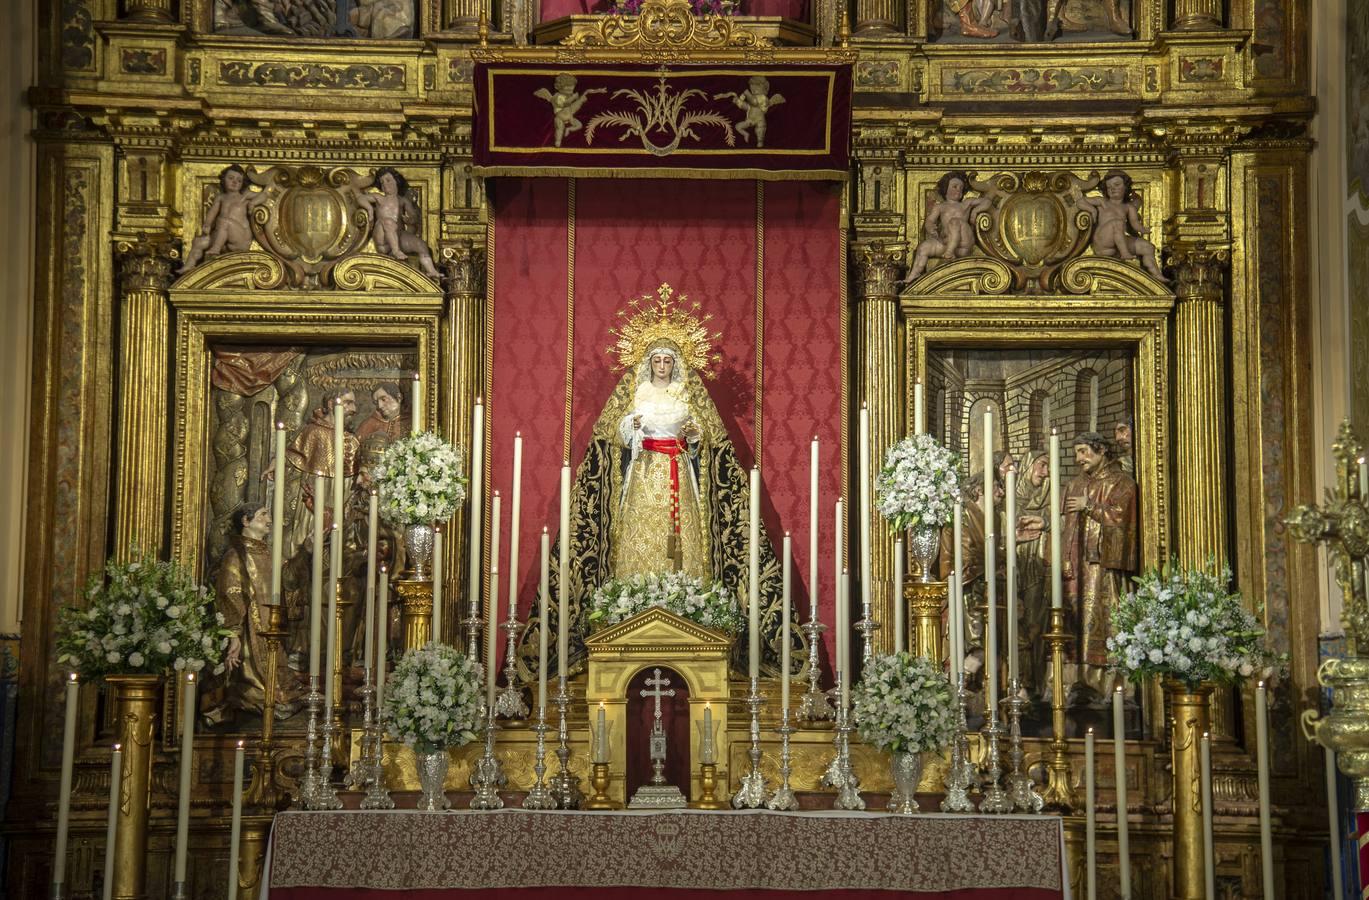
813,530
900,622
439,550
866,541
753,582
563,580
116,771
235,829
515,523
1119,763
416,403
1205,789
785,617
492,610
1010,567
476,566
187,757
957,615
316,579
331,645
59,854
372,536
278,514
544,592
1090,820
990,573
1057,573
1262,776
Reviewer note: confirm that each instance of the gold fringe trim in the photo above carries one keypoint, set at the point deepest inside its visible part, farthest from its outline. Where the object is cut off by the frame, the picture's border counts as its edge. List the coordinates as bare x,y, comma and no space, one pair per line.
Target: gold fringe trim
684,173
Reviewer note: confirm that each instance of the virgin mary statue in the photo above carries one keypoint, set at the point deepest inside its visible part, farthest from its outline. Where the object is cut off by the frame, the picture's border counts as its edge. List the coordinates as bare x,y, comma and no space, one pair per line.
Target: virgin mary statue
660,488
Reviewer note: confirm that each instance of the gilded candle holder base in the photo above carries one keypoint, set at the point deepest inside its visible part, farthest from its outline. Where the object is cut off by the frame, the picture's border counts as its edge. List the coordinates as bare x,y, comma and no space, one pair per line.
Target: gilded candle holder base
708,788
598,779
1059,795
751,794
488,775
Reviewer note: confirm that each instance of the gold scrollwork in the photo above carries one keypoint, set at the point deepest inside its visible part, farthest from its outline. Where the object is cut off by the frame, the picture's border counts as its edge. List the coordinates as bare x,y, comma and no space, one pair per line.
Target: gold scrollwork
667,25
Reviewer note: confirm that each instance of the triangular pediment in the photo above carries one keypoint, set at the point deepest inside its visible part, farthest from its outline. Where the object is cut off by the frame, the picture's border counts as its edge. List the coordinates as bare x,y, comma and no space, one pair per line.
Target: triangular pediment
658,628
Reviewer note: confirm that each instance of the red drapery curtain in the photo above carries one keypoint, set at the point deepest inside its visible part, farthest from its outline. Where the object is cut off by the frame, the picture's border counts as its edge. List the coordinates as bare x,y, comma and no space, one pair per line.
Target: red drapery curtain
765,259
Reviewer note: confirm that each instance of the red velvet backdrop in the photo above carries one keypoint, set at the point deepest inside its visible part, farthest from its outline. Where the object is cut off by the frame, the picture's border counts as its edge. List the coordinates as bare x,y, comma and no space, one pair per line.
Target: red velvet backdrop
702,238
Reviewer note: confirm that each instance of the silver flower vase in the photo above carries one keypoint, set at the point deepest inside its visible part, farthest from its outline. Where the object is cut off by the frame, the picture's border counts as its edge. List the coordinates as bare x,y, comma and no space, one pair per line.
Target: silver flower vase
907,772
432,775
418,544
923,544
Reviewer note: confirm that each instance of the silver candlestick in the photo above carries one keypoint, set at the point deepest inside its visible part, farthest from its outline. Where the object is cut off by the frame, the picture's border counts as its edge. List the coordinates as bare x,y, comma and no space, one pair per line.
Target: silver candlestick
996,800
867,627
962,773
363,770
471,625
488,776
565,787
314,787
377,795
814,706
539,797
752,793
840,775
1021,788
327,797
509,702
784,798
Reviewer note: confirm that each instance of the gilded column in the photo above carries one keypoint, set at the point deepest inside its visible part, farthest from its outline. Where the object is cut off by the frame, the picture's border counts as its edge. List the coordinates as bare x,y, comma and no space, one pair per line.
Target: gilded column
1199,393
144,336
1189,711
149,11
1197,15
462,374
465,15
879,384
878,18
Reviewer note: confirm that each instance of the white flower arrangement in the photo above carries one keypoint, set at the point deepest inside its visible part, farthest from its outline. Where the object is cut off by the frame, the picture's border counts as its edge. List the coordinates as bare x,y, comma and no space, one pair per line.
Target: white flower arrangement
709,604
432,699
421,480
1186,625
902,704
144,616
919,484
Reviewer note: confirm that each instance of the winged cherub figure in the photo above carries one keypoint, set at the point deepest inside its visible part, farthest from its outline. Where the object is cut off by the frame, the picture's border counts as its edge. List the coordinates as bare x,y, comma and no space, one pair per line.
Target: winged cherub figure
949,224
226,225
755,101
565,103
396,217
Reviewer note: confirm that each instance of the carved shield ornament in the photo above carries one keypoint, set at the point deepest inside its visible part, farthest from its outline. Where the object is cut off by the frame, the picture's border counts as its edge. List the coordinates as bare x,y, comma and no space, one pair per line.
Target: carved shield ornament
313,222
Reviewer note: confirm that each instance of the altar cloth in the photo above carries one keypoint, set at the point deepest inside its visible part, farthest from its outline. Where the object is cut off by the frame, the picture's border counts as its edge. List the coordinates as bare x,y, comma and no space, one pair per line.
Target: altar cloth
677,854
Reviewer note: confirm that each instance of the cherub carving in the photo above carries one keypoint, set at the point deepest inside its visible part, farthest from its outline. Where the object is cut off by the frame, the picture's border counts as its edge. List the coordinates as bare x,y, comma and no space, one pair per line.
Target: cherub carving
565,103
396,217
1116,214
755,101
225,224
948,225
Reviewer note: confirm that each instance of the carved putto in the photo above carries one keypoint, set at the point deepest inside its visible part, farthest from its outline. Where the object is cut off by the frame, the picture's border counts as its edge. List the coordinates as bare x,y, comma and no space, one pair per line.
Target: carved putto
1036,227
226,225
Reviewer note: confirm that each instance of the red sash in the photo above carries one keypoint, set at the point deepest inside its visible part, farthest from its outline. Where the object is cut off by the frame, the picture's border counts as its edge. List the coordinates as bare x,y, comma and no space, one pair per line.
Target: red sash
671,447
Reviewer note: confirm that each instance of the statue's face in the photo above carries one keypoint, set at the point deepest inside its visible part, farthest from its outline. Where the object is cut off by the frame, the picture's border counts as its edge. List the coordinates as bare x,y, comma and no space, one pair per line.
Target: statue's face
1122,434
232,182
662,366
1087,458
259,525
387,405
348,404
955,189
1041,467
1116,187
388,184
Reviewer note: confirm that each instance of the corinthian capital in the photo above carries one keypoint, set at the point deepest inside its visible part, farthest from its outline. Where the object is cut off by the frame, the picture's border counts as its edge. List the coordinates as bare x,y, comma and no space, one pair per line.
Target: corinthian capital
1198,271
145,265
465,265
879,265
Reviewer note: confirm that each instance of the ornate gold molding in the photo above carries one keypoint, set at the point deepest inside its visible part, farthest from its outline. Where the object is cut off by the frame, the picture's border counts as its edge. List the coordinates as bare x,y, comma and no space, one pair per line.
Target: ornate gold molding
667,26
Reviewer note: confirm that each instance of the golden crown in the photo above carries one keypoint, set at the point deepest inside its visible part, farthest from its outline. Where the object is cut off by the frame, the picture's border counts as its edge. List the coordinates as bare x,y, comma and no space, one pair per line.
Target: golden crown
649,322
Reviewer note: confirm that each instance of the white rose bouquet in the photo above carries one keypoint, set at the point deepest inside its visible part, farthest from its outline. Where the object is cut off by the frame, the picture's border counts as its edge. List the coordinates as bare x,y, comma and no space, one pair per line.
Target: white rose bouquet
709,604
432,699
902,704
420,479
919,484
1188,626
144,616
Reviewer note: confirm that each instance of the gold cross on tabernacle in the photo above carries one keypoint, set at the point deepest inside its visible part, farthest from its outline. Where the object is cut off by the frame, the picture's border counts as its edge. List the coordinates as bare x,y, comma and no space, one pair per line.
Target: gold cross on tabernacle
1343,525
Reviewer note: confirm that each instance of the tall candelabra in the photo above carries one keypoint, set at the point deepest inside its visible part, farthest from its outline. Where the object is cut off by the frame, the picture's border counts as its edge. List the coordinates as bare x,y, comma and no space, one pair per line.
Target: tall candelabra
471,626
316,790
867,626
1021,790
962,774
752,793
783,798
264,792
539,797
1059,794
565,787
488,776
377,794
814,706
509,702
996,800
364,769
